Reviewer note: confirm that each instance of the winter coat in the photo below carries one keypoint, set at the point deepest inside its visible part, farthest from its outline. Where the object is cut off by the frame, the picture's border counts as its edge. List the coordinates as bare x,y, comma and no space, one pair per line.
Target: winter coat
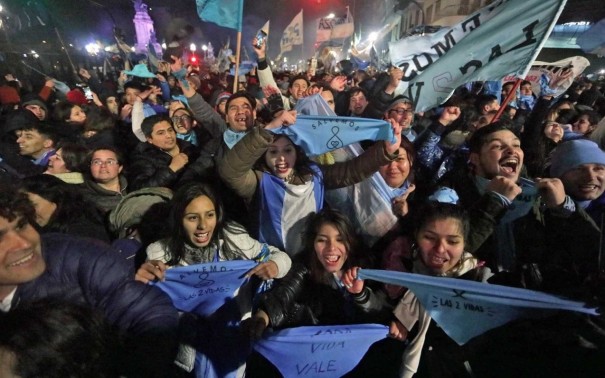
237,170
85,271
105,200
296,300
149,166
554,250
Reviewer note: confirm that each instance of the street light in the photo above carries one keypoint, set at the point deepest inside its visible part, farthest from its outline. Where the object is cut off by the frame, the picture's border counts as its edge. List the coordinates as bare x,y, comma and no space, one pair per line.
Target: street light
205,50
192,47
331,15
93,48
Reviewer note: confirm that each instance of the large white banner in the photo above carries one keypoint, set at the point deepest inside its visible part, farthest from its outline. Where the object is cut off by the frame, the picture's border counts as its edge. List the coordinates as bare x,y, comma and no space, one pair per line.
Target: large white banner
500,39
293,35
577,65
335,27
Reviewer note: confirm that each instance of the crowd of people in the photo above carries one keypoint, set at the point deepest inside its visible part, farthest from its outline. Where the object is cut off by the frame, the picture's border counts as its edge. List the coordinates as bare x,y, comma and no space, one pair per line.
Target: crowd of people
102,194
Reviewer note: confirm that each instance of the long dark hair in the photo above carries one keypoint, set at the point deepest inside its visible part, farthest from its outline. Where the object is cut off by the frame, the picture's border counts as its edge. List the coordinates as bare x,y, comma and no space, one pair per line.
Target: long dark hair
176,243
302,167
70,202
350,239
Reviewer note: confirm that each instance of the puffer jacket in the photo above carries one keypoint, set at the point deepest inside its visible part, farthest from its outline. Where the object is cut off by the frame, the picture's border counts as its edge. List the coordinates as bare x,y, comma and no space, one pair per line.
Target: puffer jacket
88,272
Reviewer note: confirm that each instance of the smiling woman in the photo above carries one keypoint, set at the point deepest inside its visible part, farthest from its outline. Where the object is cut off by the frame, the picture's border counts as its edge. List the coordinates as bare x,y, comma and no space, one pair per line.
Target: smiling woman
312,293
441,231
200,234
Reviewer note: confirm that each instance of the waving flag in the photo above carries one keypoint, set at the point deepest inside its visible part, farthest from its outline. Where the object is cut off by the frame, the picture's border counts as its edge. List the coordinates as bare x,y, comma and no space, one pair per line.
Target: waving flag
465,309
475,49
293,35
204,288
368,203
343,28
335,27
325,351
226,13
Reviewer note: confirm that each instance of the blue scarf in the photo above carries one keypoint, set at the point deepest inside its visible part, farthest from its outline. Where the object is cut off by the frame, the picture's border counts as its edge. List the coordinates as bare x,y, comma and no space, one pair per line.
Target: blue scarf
204,288
189,137
320,351
522,204
320,134
465,309
232,137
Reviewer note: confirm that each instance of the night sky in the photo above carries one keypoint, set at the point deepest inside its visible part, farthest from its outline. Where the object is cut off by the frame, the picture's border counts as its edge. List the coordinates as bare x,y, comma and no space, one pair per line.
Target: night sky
82,21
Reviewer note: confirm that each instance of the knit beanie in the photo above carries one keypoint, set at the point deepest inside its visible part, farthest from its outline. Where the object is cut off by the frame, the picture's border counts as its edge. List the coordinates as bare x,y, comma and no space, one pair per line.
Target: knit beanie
33,99
574,153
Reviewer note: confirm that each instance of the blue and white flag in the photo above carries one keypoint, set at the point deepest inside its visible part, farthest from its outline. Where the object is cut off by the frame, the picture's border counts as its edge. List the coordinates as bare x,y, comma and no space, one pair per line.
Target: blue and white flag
320,134
204,288
226,13
368,203
323,351
500,39
465,309
293,35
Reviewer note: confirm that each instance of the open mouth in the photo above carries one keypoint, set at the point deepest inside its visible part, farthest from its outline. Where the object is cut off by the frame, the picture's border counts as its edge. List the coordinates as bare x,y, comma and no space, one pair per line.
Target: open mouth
436,260
281,168
201,237
23,260
509,166
332,259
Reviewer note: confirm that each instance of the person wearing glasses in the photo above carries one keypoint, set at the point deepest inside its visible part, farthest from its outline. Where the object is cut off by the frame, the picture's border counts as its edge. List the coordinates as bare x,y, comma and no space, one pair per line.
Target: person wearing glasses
401,110
185,126
105,185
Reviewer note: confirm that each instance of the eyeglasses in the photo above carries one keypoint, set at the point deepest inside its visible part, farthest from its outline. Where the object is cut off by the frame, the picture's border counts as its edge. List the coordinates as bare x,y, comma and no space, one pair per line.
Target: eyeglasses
401,111
108,162
177,119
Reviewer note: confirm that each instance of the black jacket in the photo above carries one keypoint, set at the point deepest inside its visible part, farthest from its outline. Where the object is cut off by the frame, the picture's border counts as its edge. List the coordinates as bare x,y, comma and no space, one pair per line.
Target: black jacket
149,166
297,300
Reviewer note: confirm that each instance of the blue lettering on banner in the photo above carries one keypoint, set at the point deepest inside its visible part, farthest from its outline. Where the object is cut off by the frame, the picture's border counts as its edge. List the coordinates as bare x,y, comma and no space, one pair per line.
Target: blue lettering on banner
461,305
316,367
204,288
335,331
327,346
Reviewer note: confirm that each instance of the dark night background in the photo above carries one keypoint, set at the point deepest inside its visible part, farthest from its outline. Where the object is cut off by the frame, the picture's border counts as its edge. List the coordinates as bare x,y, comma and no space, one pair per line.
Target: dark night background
79,22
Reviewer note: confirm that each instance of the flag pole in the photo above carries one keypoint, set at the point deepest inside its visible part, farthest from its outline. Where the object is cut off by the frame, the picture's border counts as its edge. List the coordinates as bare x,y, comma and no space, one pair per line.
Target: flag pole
237,57
508,98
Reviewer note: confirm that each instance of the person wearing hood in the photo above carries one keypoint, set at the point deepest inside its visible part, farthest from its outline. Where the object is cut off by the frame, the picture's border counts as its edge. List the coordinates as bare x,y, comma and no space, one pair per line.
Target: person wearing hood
34,104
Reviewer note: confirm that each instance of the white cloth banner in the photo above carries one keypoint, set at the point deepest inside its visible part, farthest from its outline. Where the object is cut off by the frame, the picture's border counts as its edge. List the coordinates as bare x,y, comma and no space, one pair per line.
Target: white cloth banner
335,27
577,64
500,39
293,35
465,309
343,28
324,29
